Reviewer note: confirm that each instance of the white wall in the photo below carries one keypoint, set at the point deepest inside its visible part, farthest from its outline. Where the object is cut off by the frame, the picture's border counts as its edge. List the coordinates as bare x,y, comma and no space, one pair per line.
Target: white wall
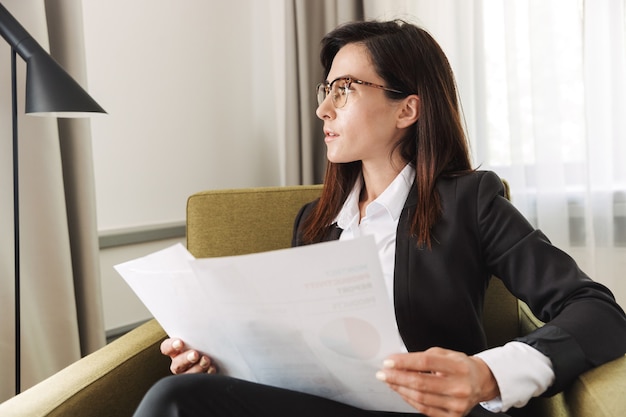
189,90
122,308
181,82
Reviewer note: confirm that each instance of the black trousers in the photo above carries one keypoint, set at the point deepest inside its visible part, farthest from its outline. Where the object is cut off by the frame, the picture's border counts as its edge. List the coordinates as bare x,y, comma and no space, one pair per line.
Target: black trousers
222,396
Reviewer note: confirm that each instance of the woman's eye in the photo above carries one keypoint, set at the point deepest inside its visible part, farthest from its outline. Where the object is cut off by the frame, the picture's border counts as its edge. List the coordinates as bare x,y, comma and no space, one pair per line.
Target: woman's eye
340,92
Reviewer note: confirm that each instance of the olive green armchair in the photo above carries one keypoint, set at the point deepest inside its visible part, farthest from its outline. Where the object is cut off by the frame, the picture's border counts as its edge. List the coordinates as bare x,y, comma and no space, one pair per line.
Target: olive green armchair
112,381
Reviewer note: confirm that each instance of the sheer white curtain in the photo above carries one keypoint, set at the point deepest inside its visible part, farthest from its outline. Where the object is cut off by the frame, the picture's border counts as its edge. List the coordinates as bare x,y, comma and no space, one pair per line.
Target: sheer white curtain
554,105
544,96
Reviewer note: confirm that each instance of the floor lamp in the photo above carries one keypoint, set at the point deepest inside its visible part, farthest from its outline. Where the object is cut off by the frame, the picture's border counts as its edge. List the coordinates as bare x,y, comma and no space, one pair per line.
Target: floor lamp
49,91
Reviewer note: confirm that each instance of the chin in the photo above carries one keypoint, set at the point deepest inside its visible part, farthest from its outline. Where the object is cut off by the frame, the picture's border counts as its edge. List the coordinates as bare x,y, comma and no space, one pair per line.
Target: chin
335,160
338,159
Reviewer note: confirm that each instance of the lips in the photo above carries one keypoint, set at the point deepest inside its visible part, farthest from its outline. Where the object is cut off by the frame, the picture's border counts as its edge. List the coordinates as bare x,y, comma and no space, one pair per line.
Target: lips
329,134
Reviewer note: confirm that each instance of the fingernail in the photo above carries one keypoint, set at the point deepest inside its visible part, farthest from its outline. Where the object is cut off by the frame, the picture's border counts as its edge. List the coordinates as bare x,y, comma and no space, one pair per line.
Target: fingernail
192,356
177,344
389,363
381,376
211,370
204,362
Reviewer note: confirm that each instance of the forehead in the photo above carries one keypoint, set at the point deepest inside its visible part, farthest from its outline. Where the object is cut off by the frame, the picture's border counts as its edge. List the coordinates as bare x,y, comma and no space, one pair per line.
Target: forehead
354,60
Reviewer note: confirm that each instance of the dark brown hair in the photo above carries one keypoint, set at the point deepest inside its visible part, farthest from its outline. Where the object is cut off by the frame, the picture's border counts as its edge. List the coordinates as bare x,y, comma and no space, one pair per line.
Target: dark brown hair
408,59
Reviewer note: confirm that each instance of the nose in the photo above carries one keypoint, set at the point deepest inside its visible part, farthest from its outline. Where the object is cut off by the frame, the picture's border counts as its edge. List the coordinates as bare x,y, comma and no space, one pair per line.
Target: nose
326,110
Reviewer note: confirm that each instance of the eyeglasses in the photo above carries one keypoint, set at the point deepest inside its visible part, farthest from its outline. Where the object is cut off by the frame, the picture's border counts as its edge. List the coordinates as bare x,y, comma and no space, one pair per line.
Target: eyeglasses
339,89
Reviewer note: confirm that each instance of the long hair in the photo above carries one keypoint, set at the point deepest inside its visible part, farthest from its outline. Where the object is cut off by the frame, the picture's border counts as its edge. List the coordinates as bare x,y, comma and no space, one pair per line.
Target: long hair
408,59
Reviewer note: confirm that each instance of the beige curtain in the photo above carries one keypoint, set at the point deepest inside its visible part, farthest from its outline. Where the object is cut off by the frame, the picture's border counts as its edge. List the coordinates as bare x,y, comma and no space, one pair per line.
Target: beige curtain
307,22
65,25
50,313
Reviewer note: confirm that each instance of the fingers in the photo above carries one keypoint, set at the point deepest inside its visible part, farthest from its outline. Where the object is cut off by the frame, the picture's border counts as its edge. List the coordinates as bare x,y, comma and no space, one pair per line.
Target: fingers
172,347
424,382
191,362
432,404
439,382
435,371
433,360
186,360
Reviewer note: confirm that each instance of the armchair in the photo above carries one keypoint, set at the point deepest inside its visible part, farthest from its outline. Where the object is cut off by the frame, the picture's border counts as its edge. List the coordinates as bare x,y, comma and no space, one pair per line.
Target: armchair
112,381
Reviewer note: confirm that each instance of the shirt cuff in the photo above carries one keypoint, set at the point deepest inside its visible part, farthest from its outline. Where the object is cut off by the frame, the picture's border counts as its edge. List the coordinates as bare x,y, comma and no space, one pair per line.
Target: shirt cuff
495,405
521,371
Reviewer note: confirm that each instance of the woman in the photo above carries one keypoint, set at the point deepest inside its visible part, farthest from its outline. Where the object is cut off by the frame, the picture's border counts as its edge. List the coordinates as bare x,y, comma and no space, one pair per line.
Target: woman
399,169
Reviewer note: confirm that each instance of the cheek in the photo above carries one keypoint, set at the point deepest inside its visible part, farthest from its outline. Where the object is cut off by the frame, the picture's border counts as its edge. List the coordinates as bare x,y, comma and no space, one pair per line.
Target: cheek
375,123
360,120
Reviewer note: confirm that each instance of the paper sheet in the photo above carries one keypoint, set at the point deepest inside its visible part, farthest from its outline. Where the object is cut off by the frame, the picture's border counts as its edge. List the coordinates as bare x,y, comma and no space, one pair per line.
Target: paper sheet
316,318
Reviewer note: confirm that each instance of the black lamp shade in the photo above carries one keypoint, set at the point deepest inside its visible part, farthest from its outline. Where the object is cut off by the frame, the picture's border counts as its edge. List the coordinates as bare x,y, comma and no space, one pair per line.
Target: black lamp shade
50,91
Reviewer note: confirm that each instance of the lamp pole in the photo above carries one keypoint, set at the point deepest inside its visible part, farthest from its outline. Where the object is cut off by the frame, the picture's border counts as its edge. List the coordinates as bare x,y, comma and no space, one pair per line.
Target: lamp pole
16,224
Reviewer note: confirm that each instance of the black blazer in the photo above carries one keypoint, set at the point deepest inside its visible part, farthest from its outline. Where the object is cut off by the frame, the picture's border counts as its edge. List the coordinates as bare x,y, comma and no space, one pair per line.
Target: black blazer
439,292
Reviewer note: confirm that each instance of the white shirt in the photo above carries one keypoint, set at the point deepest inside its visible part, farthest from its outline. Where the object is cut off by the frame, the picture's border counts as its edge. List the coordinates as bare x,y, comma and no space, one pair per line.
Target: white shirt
521,371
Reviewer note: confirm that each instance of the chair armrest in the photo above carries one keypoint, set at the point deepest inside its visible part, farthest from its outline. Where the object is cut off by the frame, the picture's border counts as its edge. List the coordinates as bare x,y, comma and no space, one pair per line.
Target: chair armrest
108,382
600,391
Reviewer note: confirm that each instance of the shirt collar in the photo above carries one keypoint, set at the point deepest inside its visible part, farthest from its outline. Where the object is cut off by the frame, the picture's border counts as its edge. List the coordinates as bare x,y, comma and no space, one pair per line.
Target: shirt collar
392,199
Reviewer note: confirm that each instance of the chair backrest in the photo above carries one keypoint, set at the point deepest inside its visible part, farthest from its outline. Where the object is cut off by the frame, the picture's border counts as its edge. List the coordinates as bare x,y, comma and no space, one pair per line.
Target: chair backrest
240,221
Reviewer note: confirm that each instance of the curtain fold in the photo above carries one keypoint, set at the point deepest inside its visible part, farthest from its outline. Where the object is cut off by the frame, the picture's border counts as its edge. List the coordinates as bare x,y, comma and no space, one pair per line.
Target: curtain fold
65,25
306,23
50,336
604,66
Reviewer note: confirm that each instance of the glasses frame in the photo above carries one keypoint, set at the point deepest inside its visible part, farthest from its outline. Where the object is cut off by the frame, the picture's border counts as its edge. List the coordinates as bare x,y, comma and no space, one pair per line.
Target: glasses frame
327,87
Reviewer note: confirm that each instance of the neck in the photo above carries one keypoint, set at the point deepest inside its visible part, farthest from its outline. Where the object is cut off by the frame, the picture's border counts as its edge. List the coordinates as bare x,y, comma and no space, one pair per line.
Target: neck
377,179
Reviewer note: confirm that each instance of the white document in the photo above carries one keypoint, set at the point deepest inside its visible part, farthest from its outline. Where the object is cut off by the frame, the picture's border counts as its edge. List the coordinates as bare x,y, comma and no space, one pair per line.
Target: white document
315,318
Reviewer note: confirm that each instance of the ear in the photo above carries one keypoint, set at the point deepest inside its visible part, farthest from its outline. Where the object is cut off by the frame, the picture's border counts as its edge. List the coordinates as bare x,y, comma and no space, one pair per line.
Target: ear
409,111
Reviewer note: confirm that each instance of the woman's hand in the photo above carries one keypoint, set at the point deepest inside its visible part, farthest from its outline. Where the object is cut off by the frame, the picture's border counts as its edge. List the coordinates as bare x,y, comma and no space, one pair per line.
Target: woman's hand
186,361
440,382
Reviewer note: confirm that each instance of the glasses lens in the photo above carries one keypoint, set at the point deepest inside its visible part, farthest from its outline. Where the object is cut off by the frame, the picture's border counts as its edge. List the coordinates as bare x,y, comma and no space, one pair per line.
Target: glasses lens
339,92
321,93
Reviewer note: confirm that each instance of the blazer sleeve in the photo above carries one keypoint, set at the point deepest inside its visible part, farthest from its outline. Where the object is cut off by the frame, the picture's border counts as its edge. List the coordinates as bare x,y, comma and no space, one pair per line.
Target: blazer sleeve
585,327
303,213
